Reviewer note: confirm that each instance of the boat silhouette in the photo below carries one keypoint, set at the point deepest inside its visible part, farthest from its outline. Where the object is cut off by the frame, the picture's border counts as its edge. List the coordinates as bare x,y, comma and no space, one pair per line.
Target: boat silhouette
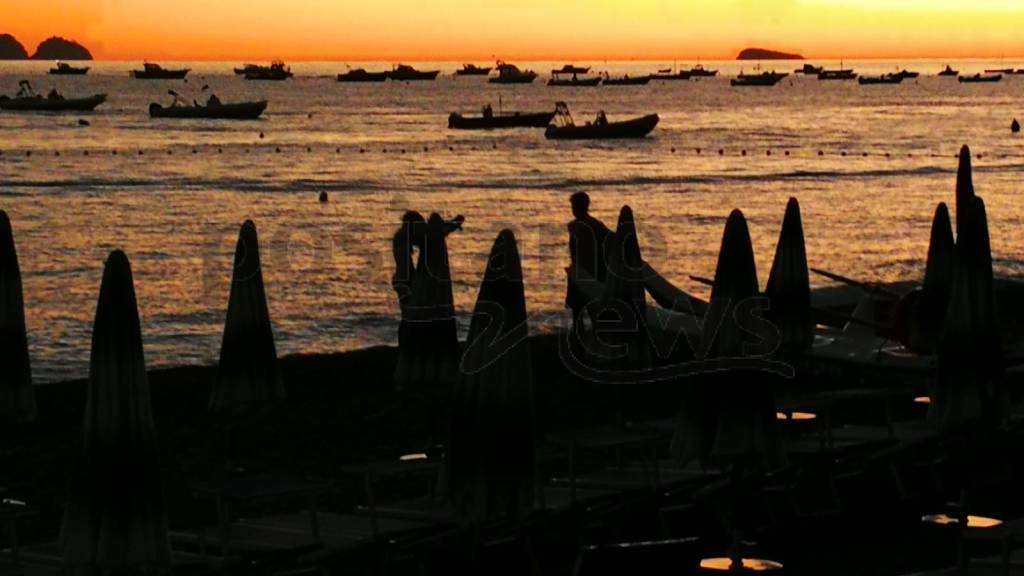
763,79
406,73
361,75
510,74
26,100
473,70
490,121
564,128
276,71
152,71
65,69
979,78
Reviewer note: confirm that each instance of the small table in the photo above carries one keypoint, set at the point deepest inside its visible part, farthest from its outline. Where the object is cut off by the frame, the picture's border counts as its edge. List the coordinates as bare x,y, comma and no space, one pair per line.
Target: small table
236,490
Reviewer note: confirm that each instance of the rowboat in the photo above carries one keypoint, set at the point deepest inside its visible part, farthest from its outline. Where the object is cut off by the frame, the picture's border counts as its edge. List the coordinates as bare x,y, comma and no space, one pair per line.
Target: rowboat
557,80
361,75
48,104
883,79
627,81
473,70
979,78
405,73
457,121
238,111
156,72
65,69
564,128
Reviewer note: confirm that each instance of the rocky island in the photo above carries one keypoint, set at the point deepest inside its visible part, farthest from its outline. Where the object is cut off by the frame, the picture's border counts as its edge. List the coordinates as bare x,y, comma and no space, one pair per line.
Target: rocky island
57,48
763,54
11,49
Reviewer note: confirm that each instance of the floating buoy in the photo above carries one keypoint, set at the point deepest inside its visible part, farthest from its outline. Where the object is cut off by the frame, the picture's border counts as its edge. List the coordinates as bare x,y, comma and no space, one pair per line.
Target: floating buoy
402,150
83,122
820,153
721,152
787,153
261,135
220,150
979,156
86,153
194,151
698,150
494,146
57,153
337,150
113,152
170,152
308,149
843,153
451,149
385,151
1015,126
28,153
673,150
310,115
323,197
140,152
865,154
743,153
362,150
277,150
768,153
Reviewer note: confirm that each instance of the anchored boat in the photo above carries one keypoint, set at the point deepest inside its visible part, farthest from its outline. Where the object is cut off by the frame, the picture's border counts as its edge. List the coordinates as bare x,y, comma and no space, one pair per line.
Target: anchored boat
276,71
405,73
214,109
883,79
473,70
977,78
489,121
510,74
361,75
763,79
65,69
152,71
26,100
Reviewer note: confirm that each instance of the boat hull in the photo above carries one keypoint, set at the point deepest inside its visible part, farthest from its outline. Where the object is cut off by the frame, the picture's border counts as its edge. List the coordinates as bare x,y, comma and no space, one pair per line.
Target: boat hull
457,121
586,82
239,111
473,72
636,128
522,79
678,76
277,76
413,76
363,77
639,81
160,75
869,81
765,79
68,71
979,79
40,104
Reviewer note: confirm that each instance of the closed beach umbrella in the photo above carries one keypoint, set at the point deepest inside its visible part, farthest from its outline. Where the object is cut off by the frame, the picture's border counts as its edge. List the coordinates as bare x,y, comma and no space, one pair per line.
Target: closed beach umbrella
17,397
430,352
729,415
248,375
115,520
789,285
490,459
625,297
938,277
964,186
970,362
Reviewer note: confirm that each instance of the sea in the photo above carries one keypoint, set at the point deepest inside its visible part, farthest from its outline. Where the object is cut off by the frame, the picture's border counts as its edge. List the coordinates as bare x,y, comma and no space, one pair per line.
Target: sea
868,164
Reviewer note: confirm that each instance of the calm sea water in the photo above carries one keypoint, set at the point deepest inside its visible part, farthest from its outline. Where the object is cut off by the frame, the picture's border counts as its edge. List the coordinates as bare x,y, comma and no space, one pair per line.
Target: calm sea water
175,192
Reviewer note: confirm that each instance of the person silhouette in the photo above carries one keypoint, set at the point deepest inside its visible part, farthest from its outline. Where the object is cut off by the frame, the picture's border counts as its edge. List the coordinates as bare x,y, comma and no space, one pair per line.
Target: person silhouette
587,238
427,341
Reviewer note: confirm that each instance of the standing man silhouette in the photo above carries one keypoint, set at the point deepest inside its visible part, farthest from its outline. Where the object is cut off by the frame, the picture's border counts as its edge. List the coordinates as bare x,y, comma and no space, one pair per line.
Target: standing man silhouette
587,236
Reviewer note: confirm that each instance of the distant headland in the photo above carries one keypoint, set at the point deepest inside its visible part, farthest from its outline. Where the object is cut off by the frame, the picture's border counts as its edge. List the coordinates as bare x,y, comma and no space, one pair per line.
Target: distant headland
55,48
763,54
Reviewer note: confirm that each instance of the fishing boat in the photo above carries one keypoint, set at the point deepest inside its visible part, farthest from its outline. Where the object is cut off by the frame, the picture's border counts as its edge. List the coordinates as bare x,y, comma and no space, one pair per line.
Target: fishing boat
570,69
26,100
977,78
557,79
564,128
490,121
699,71
763,79
626,80
999,71
152,71
907,74
510,74
361,75
840,74
670,74
65,69
276,71
948,71
473,70
406,73
809,69
209,111
883,79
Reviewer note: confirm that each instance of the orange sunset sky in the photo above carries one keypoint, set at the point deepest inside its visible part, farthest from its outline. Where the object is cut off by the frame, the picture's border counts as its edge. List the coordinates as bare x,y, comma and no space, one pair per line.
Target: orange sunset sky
521,29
